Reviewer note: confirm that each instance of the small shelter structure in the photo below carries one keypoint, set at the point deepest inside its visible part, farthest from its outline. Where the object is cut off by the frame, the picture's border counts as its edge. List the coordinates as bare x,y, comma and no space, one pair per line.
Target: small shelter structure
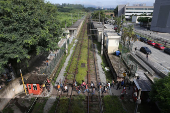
143,83
35,83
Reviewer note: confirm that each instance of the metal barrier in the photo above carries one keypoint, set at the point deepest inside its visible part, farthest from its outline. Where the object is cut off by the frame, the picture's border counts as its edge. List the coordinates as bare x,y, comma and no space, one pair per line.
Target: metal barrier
49,69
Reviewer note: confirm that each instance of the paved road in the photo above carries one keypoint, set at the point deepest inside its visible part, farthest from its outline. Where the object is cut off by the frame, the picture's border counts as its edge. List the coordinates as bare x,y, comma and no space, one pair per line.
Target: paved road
164,36
157,55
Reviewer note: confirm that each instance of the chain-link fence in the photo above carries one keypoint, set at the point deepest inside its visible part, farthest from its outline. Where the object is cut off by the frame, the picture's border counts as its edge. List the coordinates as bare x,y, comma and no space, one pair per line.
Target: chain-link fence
127,58
49,69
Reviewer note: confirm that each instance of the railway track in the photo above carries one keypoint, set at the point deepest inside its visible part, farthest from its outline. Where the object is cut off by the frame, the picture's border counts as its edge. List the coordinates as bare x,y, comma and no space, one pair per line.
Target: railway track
94,102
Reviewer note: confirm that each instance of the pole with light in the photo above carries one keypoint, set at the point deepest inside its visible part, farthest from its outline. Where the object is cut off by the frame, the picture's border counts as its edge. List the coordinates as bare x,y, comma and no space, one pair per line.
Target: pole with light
23,82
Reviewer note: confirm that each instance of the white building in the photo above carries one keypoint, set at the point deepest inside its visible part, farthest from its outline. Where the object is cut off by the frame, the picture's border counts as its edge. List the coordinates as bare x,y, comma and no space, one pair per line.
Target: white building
134,10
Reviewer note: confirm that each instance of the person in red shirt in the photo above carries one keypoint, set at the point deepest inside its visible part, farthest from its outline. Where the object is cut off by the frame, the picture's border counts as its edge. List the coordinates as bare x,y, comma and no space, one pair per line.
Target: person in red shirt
86,89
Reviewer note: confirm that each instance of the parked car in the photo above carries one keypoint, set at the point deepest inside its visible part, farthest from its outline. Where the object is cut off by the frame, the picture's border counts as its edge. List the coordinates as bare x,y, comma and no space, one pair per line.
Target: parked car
143,39
159,46
150,42
145,50
167,50
115,28
138,37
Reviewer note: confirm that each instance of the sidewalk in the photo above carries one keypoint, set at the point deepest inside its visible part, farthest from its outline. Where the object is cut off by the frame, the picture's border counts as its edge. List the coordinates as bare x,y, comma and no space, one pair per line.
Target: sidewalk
61,74
101,72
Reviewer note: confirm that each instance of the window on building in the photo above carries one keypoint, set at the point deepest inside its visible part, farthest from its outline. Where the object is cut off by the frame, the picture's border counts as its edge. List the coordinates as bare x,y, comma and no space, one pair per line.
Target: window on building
29,86
34,87
129,8
139,8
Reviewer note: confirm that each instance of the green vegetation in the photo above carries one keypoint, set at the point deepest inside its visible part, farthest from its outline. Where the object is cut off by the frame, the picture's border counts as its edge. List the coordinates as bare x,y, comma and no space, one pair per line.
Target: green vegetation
112,105
62,62
27,27
52,110
161,93
39,106
144,19
8,110
82,71
77,104
109,76
63,106
95,15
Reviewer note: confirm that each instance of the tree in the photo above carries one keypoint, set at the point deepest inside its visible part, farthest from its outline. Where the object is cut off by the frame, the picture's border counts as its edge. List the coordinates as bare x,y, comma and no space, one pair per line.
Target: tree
118,23
160,93
27,27
116,11
128,34
95,15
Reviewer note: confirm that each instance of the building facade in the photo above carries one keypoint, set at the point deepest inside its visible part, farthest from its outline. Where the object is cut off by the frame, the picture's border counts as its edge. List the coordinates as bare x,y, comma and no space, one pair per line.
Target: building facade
134,10
161,16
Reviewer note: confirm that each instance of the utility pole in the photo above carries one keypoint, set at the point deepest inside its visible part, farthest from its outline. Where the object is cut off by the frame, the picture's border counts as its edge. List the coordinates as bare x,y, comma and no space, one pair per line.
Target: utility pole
72,18
66,37
23,82
102,37
99,16
78,15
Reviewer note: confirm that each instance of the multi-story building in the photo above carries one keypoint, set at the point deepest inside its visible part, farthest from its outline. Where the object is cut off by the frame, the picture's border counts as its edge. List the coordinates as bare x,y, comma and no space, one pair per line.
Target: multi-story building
134,10
161,16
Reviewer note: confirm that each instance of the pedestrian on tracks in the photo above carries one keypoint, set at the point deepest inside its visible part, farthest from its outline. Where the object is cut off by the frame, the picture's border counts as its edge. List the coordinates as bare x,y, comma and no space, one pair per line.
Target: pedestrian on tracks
47,62
92,84
75,83
58,87
99,83
100,88
118,85
104,89
108,85
147,55
78,88
124,90
122,83
86,89
113,83
93,90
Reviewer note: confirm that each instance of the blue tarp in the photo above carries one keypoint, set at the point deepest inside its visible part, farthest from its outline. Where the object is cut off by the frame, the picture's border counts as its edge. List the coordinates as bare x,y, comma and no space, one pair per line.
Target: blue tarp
117,53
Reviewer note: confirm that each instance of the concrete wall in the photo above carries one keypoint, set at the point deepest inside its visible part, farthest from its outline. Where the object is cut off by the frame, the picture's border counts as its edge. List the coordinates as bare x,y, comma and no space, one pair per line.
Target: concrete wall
99,35
9,92
161,16
113,45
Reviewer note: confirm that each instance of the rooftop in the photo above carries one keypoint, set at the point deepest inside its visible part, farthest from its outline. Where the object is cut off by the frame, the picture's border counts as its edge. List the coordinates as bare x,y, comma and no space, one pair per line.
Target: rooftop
143,82
97,24
36,79
75,25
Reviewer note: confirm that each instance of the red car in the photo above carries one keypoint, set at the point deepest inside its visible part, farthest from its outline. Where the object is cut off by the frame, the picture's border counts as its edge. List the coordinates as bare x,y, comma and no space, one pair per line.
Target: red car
150,42
159,46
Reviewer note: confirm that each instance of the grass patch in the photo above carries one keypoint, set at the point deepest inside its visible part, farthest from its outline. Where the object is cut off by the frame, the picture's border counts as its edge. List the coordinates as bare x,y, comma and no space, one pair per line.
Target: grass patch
112,105
52,110
8,110
39,106
63,106
77,104
63,61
